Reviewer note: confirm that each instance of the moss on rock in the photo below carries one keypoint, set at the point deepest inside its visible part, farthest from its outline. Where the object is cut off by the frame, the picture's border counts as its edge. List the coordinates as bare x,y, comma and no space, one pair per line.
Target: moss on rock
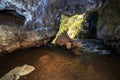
72,25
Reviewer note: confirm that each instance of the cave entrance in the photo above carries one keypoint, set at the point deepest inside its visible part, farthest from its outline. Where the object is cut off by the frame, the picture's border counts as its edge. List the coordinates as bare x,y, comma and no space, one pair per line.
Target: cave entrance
80,26
11,17
71,24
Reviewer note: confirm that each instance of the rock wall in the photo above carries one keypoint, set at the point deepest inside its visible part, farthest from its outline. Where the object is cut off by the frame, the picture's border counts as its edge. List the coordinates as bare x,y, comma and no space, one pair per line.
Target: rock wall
42,18
108,28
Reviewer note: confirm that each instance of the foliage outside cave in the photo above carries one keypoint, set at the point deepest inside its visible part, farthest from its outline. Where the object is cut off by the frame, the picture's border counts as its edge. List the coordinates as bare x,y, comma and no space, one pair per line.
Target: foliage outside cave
72,25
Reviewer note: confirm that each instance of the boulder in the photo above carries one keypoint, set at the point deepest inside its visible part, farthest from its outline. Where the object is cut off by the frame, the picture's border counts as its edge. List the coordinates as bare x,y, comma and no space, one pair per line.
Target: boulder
17,72
62,39
78,46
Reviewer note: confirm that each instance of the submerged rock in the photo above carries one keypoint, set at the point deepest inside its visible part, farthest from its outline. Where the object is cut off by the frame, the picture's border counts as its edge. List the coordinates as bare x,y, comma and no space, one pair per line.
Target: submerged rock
42,18
17,72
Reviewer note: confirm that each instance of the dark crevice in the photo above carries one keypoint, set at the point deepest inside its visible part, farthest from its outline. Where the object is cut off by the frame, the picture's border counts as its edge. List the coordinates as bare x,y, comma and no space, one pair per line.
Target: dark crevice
12,12
93,24
10,17
90,24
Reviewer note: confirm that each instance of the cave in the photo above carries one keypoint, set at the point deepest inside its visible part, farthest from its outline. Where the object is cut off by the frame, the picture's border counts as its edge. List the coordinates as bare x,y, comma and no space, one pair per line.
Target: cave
86,44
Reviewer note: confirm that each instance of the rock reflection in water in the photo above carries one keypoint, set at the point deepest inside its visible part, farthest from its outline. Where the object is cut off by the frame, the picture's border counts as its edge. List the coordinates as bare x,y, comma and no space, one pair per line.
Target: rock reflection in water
60,64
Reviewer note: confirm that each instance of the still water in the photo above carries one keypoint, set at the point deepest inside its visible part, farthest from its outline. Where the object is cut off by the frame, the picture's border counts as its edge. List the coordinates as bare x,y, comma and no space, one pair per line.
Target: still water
56,63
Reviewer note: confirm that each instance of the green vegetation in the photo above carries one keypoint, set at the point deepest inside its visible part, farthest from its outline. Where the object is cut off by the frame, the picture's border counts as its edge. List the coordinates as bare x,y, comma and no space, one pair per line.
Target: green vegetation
72,25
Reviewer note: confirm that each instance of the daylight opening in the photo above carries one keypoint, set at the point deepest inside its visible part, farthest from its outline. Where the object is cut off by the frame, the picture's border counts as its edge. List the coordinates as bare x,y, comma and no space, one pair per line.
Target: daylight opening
71,24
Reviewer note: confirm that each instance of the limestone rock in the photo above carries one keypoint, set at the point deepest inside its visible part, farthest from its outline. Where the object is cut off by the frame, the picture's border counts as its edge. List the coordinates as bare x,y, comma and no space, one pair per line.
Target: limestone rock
108,28
42,18
62,39
8,40
89,46
81,6
79,46
17,72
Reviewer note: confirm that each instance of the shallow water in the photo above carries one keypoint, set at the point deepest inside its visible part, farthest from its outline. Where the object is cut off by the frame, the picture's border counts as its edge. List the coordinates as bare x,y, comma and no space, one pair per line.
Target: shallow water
55,63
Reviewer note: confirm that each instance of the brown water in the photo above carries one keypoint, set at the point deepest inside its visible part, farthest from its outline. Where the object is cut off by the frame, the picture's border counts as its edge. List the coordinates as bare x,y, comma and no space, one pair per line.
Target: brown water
60,64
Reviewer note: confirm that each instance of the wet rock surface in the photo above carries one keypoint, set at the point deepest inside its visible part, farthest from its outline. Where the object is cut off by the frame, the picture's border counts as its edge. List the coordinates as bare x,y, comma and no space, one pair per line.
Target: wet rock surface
82,45
88,46
42,18
17,72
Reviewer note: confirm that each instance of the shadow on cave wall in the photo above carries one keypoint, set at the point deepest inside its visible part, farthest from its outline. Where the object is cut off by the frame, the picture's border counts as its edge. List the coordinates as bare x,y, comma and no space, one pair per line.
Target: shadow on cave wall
11,17
90,25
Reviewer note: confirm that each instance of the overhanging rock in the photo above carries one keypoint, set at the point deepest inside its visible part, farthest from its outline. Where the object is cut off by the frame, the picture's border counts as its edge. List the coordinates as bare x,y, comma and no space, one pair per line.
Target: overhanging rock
42,18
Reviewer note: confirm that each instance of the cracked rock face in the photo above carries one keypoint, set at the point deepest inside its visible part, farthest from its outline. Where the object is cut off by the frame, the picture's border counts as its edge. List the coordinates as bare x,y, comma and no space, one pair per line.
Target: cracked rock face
108,28
42,18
